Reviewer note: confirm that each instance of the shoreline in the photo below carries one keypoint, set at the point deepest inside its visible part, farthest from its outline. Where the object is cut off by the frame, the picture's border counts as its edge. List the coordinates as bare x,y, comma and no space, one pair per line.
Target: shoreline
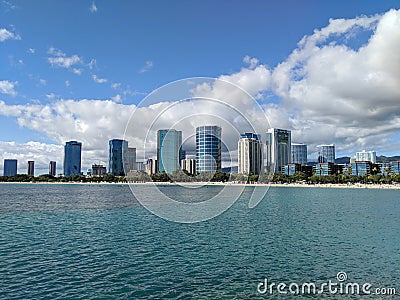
298,185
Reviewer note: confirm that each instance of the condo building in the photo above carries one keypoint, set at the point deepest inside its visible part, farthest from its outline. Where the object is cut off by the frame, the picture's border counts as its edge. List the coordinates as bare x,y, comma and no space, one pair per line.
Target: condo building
326,153
72,158
278,149
250,160
169,150
117,152
208,148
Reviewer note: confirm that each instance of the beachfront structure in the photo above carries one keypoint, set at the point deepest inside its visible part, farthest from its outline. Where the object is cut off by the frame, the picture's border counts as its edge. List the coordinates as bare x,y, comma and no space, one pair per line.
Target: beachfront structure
291,169
385,168
189,165
362,168
328,168
151,166
117,153
31,168
326,153
98,170
10,167
72,158
395,167
52,168
299,154
366,156
250,159
208,148
278,149
169,150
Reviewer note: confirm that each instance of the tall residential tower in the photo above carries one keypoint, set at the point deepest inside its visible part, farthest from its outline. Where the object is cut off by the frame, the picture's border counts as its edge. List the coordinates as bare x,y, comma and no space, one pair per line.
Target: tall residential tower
169,150
117,153
278,152
208,149
72,158
250,159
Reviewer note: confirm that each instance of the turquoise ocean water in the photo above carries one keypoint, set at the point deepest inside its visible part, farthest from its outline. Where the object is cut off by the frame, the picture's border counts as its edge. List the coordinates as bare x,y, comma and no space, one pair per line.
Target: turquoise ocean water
97,242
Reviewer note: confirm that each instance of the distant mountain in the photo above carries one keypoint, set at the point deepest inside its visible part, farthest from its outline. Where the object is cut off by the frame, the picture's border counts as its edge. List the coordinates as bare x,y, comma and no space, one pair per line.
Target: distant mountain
383,158
342,160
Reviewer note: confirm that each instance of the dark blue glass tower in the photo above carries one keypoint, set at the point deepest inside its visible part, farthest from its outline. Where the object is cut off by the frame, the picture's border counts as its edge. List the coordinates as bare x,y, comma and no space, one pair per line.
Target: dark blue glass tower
208,149
10,167
72,158
117,153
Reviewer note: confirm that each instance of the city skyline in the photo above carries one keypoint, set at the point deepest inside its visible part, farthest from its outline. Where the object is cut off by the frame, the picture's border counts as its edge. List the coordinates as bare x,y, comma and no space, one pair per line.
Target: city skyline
332,79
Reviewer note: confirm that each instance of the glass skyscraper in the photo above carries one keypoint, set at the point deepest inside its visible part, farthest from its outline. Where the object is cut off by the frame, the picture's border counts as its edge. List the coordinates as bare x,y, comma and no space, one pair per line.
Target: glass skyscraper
72,158
279,150
117,153
326,153
208,149
10,167
31,168
299,154
169,150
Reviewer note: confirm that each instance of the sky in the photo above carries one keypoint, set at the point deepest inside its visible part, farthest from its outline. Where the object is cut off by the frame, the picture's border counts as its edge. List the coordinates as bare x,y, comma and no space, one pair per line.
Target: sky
329,71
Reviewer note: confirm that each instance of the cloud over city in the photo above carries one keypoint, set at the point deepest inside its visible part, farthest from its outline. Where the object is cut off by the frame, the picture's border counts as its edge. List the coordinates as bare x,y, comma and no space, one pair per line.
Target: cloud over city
327,90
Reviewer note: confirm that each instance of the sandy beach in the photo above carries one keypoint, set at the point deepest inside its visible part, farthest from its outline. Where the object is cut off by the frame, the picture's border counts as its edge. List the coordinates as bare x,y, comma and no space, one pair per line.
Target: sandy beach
275,185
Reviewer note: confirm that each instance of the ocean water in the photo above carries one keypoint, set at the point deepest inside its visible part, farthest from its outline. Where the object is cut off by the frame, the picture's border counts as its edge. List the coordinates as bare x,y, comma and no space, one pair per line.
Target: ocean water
97,242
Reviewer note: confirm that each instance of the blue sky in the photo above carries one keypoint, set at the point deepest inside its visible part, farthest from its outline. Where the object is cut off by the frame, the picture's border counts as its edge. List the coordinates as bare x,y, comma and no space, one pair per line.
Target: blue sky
119,51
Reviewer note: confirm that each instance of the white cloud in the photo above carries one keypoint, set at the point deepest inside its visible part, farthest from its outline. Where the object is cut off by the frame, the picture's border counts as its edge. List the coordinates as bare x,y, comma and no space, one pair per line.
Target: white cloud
41,153
326,92
31,50
93,8
8,35
353,94
116,98
251,61
92,64
7,87
99,80
67,83
148,66
61,60
115,86
77,71
42,81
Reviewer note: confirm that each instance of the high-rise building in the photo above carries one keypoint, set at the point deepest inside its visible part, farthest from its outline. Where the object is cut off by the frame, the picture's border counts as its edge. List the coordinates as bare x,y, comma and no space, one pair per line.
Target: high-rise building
250,159
151,166
98,170
326,153
169,150
208,149
299,154
189,165
117,153
31,168
278,152
395,167
140,166
366,156
72,158
52,168
10,167
131,160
